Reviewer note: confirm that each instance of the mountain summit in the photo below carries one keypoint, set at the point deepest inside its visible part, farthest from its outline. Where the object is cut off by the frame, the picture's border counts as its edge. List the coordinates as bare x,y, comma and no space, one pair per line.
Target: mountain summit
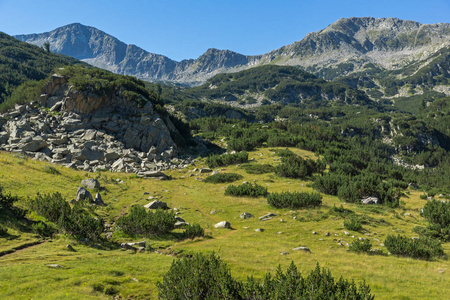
344,47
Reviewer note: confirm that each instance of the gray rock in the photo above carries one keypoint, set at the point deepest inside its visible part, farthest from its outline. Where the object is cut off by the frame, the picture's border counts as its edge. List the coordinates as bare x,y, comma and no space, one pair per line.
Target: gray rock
33,145
180,224
259,230
156,204
91,184
370,200
306,249
223,224
267,217
83,194
246,215
70,248
98,200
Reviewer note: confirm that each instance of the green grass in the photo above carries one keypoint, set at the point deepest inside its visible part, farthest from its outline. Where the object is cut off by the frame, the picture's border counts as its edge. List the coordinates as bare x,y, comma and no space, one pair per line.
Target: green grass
247,252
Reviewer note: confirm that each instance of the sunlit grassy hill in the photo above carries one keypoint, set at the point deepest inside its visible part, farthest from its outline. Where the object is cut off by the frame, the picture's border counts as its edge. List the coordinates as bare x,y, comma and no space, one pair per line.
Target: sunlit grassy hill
100,270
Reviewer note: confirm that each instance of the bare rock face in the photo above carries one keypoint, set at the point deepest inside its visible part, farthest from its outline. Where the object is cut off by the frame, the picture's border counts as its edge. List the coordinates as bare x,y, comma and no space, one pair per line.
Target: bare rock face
90,132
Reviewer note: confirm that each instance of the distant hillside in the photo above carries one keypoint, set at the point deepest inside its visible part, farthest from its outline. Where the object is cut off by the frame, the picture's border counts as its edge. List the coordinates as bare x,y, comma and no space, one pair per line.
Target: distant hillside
20,62
346,46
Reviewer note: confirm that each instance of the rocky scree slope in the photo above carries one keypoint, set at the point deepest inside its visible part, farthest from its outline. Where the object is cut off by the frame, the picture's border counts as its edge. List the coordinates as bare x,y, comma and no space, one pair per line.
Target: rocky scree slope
86,131
344,47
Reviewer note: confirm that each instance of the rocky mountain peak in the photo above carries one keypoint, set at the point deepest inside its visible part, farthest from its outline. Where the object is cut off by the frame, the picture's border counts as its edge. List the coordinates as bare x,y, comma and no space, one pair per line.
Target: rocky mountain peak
343,47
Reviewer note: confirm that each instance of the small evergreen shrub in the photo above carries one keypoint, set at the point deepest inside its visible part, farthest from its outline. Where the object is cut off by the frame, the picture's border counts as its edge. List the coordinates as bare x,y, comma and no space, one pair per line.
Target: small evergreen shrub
353,223
360,245
193,231
215,161
222,178
258,168
293,166
140,222
43,229
294,200
50,206
437,214
340,211
423,248
208,277
80,224
7,204
246,189
3,230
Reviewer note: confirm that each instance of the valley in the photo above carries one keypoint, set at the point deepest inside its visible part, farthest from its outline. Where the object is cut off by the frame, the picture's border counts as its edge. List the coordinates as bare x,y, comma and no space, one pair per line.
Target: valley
329,155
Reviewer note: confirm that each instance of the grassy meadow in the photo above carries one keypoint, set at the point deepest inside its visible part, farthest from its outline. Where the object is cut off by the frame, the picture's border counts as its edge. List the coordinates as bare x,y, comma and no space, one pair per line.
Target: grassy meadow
24,273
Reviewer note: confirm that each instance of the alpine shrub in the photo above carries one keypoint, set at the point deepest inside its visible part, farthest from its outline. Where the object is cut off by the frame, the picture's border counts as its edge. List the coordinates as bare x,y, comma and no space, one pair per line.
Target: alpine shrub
222,178
360,245
50,206
140,222
208,277
258,168
215,161
423,248
437,214
353,223
294,200
193,231
246,189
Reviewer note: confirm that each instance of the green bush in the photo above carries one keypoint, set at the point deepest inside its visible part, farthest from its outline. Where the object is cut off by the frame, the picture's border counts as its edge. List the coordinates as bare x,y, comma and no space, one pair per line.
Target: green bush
258,168
222,178
80,224
423,248
193,231
246,189
140,222
437,214
353,223
51,206
7,204
3,230
208,277
43,229
294,200
215,161
360,245
340,211
293,166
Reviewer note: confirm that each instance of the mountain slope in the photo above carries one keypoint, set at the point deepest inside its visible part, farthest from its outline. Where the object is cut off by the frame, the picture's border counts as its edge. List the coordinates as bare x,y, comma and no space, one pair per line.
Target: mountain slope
344,47
20,62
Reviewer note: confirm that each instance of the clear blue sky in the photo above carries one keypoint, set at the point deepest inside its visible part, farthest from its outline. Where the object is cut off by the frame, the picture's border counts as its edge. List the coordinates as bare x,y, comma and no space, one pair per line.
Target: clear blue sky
182,29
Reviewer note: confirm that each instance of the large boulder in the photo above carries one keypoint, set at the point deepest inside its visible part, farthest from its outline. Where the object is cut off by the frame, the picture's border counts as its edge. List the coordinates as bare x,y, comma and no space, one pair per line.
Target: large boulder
83,194
223,224
91,184
156,204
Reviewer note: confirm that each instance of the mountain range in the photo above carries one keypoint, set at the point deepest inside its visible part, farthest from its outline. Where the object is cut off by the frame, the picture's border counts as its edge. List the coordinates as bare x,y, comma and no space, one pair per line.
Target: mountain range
344,47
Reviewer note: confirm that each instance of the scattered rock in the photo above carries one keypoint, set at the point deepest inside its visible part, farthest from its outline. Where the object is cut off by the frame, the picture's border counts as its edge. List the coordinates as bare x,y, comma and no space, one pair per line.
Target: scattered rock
246,215
83,194
98,200
284,253
259,230
223,224
213,212
70,248
327,234
156,204
55,266
91,184
267,217
314,232
370,200
306,249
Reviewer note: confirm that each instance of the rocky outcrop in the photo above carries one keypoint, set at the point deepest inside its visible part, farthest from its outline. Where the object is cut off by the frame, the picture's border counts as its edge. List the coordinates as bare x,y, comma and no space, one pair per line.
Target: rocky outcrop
89,132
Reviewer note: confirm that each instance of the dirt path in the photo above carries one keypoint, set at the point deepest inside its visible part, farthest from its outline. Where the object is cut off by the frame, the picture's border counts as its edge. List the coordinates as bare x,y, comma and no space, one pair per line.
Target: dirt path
21,248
